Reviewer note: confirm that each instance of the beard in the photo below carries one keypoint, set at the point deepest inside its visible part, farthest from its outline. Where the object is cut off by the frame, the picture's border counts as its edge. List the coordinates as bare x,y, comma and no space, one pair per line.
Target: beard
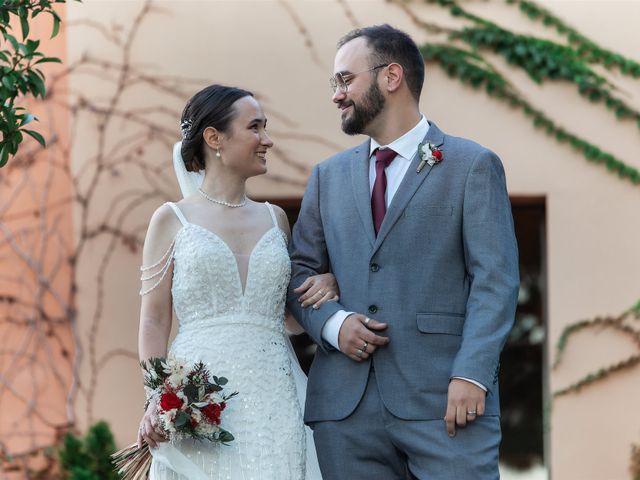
363,113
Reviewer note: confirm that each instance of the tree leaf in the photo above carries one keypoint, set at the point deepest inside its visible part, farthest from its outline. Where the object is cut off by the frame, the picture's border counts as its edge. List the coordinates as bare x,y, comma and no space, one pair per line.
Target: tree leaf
32,45
8,82
24,23
36,135
12,40
36,84
48,60
56,24
4,154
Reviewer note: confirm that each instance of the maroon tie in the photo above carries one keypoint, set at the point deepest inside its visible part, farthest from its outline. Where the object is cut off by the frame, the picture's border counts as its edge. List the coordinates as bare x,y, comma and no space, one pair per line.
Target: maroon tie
384,157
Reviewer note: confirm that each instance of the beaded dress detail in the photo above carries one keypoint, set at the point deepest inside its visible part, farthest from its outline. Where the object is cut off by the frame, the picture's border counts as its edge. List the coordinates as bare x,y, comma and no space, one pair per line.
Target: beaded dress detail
239,332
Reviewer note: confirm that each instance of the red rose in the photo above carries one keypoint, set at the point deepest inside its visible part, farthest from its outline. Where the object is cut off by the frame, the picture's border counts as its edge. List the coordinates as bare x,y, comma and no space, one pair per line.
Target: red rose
437,154
212,413
169,401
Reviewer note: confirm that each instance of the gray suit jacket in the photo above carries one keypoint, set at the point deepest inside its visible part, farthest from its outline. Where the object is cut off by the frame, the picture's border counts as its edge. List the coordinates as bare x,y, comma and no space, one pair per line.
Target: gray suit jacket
442,273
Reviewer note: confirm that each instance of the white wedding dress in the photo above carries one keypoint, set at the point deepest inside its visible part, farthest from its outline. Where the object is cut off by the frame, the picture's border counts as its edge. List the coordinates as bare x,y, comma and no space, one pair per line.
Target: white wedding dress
239,333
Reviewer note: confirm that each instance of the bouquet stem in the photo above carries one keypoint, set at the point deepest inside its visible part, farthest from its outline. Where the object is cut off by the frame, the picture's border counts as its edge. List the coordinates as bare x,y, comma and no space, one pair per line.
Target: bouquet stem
133,462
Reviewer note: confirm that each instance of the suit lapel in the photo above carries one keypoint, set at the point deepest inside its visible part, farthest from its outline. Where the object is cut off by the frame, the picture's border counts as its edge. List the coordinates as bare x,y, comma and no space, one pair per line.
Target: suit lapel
361,191
408,187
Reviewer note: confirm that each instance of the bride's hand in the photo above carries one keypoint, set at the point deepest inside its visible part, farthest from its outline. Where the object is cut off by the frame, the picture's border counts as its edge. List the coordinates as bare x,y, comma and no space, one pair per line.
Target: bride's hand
148,430
318,289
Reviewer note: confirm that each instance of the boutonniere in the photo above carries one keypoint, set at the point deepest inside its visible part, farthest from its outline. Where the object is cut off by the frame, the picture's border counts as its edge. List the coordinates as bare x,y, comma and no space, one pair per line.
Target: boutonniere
429,154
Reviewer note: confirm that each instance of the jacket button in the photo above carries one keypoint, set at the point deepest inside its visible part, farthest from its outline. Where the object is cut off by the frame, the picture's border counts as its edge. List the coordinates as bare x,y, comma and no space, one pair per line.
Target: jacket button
373,308
375,267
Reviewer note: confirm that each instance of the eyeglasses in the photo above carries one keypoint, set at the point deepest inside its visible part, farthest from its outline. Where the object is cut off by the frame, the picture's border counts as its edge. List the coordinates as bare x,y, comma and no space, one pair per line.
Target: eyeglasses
340,81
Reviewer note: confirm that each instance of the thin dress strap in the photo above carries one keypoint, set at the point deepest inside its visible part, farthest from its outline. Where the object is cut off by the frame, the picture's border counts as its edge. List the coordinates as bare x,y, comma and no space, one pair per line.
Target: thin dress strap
152,272
178,213
273,214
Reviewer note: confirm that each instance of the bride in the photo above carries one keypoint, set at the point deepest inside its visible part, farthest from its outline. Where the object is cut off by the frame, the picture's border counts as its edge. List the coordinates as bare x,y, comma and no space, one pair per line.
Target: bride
220,261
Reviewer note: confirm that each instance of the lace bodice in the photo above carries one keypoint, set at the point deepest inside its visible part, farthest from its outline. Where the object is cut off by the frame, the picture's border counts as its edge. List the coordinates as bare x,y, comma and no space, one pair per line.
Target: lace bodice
207,285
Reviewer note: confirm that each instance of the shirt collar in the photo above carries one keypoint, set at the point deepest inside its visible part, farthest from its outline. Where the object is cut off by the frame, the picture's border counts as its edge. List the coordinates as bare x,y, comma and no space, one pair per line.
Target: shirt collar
407,145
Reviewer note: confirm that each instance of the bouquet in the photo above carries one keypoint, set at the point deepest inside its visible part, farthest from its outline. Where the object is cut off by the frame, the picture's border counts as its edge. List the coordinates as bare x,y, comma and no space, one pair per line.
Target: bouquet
190,402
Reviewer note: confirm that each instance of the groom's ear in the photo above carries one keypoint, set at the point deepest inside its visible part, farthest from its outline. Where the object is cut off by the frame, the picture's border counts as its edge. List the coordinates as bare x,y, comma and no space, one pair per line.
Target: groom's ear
212,137
394,77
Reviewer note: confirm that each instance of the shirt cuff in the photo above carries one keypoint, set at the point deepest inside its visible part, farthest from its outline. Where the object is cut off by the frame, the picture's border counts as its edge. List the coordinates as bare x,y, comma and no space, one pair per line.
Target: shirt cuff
471,381
331,328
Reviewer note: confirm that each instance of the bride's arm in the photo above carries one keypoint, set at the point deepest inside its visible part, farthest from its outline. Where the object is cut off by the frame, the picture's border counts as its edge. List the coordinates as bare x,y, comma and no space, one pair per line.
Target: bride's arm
157,271
156,304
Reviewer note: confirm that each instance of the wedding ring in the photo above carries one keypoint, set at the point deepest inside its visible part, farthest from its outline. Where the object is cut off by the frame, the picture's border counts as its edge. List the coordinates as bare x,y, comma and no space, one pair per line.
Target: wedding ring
364,348
471,413
359,353
366,321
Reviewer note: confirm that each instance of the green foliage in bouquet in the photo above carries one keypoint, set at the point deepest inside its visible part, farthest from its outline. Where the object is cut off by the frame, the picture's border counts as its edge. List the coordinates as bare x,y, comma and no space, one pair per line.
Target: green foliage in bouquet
196,383
88,458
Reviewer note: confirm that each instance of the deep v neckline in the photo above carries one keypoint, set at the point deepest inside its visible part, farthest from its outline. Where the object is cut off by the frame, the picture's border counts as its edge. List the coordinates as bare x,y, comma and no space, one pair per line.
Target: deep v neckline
226,246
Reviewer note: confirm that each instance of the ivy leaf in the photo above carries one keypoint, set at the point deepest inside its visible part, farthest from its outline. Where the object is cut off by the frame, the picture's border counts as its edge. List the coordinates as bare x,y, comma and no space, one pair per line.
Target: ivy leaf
37,136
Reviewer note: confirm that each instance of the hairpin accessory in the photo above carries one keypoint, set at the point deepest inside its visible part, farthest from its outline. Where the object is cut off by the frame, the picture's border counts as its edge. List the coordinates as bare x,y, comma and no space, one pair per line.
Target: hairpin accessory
185,128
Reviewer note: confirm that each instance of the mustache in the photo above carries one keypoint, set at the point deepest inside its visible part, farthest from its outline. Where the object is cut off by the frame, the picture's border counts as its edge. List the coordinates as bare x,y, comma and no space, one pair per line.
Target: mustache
346,103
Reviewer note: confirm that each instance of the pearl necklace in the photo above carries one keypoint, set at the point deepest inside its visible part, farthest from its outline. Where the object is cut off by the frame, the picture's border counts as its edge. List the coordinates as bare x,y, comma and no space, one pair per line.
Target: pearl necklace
222,202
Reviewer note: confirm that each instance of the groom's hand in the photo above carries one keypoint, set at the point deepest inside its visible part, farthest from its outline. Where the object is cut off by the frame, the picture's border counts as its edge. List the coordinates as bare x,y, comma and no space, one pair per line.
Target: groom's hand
465,403
356,338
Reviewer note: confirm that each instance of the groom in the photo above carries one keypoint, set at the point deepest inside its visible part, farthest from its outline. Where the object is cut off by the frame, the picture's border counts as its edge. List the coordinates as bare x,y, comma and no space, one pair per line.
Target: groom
421,241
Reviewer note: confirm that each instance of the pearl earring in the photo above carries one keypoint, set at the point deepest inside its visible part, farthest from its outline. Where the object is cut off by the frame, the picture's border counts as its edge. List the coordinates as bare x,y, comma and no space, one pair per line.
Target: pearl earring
218,153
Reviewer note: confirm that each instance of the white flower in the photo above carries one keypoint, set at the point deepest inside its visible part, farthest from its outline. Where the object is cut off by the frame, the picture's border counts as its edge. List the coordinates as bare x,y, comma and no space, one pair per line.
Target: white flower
196,415
183,397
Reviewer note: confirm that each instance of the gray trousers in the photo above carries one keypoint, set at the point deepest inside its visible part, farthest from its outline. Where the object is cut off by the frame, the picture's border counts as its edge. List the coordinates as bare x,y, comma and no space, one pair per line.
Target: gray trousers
373,444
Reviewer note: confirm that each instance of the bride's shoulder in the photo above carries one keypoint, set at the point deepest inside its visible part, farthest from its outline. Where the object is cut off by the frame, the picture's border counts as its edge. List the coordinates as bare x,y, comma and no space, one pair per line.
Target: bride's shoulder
165,218
163,227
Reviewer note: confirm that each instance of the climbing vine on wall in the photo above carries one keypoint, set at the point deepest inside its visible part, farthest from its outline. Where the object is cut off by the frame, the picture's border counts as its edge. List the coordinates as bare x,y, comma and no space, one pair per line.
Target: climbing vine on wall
463,55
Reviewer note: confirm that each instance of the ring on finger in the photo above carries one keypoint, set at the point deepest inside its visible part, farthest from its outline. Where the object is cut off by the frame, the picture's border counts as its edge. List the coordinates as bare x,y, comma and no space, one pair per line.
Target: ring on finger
321,292
359,353
364,347
471,413
366,321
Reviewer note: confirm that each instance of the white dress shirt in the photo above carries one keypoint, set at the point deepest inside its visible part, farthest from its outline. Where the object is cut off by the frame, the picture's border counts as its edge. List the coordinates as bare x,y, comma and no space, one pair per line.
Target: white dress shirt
406,147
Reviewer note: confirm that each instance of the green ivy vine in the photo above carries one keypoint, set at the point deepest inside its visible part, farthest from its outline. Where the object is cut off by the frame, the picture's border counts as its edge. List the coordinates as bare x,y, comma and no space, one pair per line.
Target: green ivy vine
614,323
542,60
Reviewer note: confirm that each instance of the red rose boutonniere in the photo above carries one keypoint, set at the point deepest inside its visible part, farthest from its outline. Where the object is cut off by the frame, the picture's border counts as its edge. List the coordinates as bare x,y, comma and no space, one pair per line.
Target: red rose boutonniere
429,154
